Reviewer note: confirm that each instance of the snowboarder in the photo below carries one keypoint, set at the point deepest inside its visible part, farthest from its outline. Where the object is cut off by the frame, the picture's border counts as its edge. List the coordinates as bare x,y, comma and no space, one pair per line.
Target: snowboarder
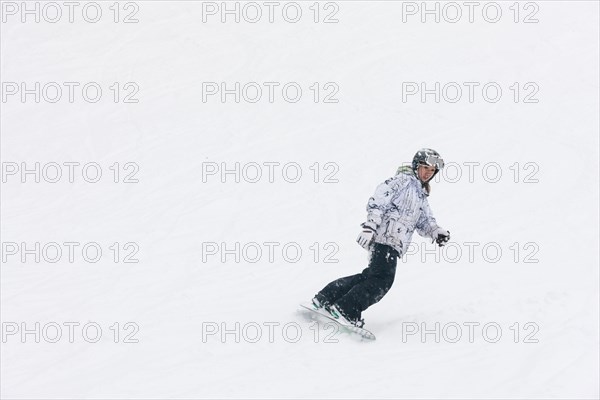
398,207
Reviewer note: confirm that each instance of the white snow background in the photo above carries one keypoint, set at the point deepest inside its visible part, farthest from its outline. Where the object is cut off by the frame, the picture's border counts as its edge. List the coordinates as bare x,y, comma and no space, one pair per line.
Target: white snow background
176,299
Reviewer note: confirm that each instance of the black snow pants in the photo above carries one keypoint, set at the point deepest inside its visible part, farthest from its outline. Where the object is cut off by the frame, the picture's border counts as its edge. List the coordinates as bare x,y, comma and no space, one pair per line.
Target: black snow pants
354,294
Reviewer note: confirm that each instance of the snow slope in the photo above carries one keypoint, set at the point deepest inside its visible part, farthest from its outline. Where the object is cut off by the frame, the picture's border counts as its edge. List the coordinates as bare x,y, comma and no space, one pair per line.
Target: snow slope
212,328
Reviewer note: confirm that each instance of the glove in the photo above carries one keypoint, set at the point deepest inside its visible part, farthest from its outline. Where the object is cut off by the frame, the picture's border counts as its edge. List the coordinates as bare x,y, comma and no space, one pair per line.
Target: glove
441,236
366,236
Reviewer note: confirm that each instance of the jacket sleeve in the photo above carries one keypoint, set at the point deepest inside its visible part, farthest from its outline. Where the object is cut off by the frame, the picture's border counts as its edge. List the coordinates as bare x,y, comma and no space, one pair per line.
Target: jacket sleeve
382,199
426,224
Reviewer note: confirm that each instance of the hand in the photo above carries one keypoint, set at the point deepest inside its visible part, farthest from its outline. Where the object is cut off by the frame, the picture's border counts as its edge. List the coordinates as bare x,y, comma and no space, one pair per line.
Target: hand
441,236
366,236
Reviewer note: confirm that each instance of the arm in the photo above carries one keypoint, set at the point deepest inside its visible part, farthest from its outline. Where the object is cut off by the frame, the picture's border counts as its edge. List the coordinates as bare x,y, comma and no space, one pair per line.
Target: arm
426,224
428,227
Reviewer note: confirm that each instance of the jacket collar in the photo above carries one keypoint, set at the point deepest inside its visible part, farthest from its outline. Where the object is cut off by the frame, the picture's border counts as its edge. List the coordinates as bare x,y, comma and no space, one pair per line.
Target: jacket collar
406,170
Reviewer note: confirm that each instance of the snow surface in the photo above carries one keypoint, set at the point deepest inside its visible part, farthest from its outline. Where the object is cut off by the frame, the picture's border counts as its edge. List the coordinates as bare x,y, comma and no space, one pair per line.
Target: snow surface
176,299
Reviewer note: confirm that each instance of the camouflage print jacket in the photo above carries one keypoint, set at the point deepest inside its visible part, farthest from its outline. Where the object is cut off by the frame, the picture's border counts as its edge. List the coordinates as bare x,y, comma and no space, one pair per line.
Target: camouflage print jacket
398,207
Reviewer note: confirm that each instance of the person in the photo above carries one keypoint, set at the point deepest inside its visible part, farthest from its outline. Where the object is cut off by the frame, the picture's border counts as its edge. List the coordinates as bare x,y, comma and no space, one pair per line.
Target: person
398,207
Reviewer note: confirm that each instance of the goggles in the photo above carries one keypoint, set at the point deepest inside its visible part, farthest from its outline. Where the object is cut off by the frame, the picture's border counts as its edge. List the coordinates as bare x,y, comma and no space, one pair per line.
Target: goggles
434,161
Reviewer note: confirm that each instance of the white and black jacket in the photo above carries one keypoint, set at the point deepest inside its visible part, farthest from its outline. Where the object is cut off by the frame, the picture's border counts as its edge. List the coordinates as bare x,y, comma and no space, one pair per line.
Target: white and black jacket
398,207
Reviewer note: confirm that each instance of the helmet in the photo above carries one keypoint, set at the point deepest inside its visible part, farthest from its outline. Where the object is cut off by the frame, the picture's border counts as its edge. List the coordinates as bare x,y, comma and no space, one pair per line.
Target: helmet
428,157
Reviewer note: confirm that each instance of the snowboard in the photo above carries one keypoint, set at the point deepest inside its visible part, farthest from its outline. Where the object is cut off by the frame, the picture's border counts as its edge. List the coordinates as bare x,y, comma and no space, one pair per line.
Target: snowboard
349,328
